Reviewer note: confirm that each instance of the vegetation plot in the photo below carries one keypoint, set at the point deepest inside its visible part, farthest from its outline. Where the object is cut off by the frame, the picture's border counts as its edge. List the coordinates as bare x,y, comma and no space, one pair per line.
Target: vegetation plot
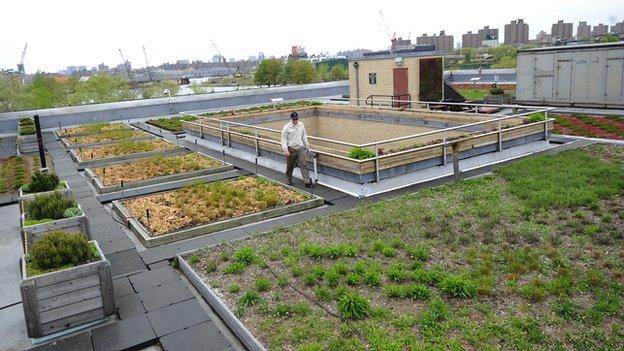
16,171
59,250
173,124
154,167
203,203
123,148
109,135
263,108
92,128
530,257
609,127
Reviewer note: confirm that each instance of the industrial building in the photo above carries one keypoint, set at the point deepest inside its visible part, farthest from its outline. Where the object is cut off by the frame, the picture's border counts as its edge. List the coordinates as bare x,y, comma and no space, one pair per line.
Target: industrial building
579,75
516,33
441,42
402,75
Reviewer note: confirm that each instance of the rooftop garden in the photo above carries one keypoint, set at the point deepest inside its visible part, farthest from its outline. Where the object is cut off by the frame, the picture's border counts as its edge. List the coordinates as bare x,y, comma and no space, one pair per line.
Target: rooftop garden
608,127
529,257
263,108
27,126
109,135
153,167
123,148
15,171
92,128
50,207
59,250
203,203
172,124
41,182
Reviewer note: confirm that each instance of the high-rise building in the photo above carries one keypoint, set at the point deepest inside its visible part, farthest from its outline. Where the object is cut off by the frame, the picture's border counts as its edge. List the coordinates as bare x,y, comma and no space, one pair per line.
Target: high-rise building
583,30
600,29
475,40
542,37
516,33
561,30
217,59
102,67
261,56
441,42
618,28
349,54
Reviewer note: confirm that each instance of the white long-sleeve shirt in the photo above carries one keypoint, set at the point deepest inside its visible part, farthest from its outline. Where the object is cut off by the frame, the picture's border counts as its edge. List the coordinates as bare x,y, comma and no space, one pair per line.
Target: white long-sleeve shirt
294,136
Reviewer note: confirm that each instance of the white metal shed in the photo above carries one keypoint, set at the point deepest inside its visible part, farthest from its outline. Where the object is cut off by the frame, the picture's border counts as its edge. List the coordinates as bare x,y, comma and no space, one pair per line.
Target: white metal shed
578,75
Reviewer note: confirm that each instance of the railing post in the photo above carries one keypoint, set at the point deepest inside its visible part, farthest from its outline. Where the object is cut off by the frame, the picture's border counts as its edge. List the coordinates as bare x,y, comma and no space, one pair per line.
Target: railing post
256,142
444,148
229,134
476,109
221,132
376,163
500,136
201,129
546,125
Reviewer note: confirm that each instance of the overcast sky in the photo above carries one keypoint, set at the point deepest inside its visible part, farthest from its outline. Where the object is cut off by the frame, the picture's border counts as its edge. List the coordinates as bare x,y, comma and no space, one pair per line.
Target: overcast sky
62,33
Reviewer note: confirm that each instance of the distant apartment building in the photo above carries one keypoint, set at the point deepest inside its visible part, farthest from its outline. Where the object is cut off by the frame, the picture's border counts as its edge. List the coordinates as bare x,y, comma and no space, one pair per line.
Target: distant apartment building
261,56
102,67
484,37
600,29
516,33
441,42
401,44
583,30
618,28
352,54
561,30
542,38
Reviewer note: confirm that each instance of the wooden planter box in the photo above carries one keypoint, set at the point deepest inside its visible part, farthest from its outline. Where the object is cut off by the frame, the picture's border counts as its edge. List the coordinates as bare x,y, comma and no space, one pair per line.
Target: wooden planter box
23,197
64,299
97,162
26,144
32,233
501,99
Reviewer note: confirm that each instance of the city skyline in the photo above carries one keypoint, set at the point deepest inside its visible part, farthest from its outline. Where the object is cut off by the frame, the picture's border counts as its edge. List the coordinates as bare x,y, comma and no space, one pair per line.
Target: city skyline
68,33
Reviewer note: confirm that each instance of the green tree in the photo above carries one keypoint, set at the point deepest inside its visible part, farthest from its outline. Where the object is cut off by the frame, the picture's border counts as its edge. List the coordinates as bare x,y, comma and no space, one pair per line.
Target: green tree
323,72
44,92
12,94
506,62
269,72
469,54
198,88
156,90
299,72
609,39
505,50
339,72
102,88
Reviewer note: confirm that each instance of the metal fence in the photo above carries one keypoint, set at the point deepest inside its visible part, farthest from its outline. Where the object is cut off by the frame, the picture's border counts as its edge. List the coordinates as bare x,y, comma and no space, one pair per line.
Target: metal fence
224,128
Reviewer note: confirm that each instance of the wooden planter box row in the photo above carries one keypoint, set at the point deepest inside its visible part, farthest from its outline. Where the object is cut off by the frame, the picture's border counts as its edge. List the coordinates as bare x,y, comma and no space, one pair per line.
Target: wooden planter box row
64,299
31,234
82,164
366,167
102,189
148,240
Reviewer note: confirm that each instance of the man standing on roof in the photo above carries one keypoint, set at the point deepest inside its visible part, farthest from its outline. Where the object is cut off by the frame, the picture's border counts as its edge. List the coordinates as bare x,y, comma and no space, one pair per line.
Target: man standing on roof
294,144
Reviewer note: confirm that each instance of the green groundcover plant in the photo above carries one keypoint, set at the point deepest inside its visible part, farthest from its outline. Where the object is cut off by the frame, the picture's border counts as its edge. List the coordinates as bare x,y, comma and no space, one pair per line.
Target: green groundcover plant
59,250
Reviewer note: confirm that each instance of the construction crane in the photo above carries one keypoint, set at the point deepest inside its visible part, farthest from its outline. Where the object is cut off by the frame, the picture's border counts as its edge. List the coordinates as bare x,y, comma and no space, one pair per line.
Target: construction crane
149,70
126,66
20,64
233,73
393,36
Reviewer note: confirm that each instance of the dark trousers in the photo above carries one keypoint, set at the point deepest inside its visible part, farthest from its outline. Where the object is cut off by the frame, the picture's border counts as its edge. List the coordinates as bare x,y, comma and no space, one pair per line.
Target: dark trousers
297,156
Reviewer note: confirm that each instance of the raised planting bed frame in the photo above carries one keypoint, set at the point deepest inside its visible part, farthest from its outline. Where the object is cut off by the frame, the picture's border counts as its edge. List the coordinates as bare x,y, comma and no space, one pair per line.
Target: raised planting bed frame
26,144
102,189
148,241
82,164
231,321
69,146
150,128
68,298
23,197
59,136
32,233
334,162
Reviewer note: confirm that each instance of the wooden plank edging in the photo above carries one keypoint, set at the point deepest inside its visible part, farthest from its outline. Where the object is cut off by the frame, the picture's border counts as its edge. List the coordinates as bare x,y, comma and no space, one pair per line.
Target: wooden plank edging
230,320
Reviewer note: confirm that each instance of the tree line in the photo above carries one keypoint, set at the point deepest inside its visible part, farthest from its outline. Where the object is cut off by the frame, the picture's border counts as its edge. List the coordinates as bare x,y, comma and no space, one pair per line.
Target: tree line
46,91
274,71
